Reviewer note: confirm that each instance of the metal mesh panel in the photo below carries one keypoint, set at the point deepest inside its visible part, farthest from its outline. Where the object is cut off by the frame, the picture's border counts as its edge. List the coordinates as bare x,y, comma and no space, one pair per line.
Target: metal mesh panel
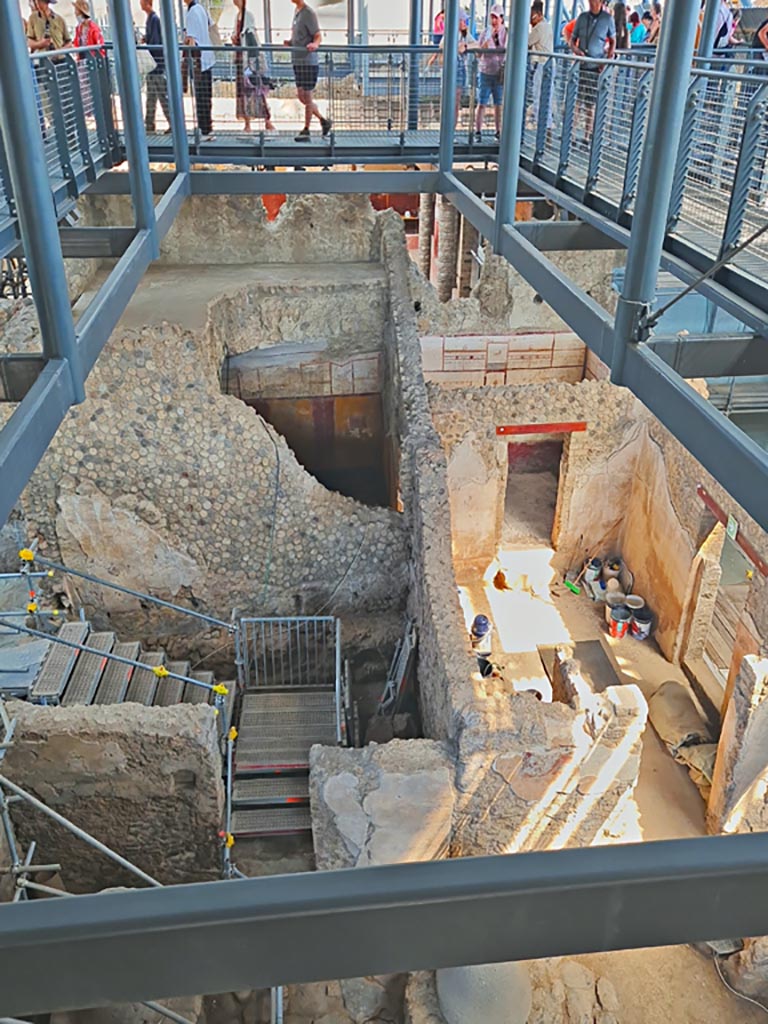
754,257
614,148
286,652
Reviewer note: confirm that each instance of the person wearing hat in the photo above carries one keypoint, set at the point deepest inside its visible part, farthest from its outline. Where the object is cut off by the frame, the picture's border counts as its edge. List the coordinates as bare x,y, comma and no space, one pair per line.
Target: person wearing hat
47,30
462,46
492,44
87,32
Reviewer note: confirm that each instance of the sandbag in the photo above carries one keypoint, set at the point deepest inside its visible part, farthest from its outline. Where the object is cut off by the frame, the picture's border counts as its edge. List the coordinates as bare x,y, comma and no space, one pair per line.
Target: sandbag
676,718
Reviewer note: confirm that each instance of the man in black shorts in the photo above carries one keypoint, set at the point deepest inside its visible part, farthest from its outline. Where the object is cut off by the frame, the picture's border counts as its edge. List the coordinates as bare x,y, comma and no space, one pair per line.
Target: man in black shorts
305,41
594,35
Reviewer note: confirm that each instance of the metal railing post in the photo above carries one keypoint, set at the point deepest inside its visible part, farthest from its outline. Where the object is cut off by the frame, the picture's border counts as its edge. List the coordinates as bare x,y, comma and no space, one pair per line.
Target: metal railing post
133,123
557,17
708,26
414,81
599,139
173,85
448,93
76,83
543,125
569,113
693,102
636,133
750,142
515,75
20,122
665,123
267,8
337,660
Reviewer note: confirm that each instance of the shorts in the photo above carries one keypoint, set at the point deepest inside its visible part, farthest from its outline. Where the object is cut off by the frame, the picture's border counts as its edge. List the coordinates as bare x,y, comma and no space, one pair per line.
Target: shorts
461,76
587,90
306,76
489,86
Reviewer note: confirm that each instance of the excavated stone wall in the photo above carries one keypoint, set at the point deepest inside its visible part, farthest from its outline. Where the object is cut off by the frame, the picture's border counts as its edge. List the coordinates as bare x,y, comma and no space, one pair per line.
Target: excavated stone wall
144,781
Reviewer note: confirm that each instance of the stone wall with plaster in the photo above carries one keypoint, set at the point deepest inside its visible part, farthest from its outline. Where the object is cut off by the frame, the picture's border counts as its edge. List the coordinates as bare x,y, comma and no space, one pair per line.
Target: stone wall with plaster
144,781
158,463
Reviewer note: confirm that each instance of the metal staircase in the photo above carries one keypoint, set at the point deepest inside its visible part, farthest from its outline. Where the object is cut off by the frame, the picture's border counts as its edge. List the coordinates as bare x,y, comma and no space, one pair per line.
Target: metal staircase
292,700
70,676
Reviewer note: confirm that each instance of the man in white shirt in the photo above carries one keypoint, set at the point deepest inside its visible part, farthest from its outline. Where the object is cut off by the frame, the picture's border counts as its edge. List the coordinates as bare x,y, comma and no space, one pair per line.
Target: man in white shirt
539,41
202,66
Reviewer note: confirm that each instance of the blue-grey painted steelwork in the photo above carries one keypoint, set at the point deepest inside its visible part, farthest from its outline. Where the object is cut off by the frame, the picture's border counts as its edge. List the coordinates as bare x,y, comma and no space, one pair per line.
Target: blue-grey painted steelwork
414,36
665,122
156,943
133,123
448,94
173,80
751,147
708,27
634,150
20,124
515,79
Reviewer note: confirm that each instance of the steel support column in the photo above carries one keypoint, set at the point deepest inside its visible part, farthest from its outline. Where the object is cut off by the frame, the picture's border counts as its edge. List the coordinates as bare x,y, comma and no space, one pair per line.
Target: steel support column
557,18
267,7
173,84
665,121
448,96
133,122
515,73
33,200
414,62
708,26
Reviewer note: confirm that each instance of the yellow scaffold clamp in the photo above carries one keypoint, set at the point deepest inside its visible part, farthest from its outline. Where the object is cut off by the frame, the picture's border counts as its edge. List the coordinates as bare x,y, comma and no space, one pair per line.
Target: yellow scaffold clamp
50,572
229,842
32,607
221,689
160,671
27,555
232,734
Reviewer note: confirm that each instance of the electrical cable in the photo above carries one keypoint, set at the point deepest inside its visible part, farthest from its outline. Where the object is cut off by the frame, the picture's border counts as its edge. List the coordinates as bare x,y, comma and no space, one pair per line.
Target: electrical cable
653,319
740,995
348,571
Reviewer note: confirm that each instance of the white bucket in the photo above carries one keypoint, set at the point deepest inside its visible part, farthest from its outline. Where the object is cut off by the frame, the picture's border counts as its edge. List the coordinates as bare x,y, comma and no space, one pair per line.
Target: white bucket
634,602
613,600
612,586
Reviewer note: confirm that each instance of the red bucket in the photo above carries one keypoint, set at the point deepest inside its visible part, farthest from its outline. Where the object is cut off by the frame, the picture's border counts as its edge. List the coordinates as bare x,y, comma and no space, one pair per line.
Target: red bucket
620,619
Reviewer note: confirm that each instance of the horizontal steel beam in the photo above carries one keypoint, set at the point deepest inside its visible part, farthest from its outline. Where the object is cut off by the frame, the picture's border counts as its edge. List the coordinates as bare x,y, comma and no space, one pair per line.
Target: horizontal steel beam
258,933
713,355
737,462
81,243
216,183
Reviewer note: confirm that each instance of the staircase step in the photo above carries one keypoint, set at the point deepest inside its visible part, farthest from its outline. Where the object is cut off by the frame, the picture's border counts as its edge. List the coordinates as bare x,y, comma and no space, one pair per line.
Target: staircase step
266,821
169,691
143,684
268,790
58,666
289,698
116,677
198,694
84,680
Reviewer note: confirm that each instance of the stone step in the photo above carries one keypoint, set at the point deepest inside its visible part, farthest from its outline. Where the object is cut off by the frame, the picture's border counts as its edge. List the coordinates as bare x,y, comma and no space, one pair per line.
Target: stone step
88,671
143,684
116,677
270,790
58,665
272,821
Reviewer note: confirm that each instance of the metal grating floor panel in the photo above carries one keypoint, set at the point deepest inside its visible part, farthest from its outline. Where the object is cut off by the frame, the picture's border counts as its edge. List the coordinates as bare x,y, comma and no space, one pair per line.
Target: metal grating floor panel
197,694
116,677
289,698
266,790
143,685
278,729
271,821
57,667
85,678
169,691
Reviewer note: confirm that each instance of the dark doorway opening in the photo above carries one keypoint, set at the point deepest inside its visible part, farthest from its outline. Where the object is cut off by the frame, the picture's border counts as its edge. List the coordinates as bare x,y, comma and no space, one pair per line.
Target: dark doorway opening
533,479
340,440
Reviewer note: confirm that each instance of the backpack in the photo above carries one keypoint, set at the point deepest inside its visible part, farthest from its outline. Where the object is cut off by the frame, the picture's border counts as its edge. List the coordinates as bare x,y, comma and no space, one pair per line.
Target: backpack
754,43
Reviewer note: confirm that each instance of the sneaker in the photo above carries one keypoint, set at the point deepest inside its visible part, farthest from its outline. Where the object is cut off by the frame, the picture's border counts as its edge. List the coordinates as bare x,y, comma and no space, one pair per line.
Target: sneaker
209,137
326,124
498,136
168,131
303,136
478,136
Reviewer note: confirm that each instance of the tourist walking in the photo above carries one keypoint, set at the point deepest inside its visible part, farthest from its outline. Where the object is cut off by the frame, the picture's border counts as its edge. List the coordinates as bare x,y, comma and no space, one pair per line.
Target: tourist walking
198,35
540,41
157,84
637,30
305,41
594,35
87,32
250,87
491,70
623,38
462,45
47,30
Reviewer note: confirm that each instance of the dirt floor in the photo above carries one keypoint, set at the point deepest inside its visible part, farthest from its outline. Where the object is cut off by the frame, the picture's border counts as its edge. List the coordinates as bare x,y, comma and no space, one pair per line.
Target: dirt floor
655,986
